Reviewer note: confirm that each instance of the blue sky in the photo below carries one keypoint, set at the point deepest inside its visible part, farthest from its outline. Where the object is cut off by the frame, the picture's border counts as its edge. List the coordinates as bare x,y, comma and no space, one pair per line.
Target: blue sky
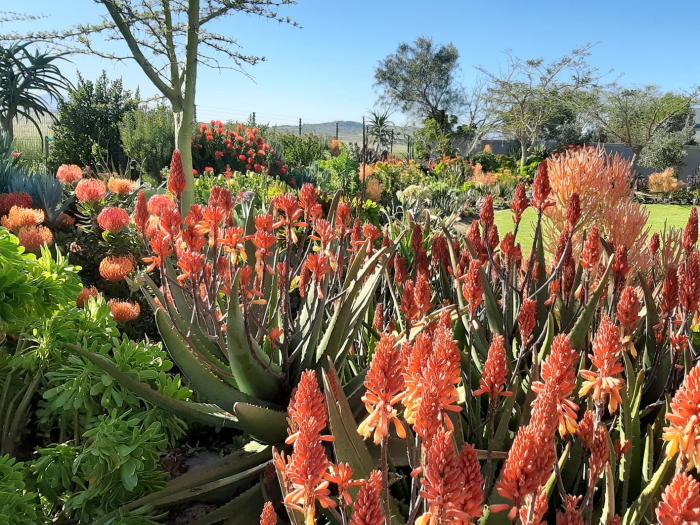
324,71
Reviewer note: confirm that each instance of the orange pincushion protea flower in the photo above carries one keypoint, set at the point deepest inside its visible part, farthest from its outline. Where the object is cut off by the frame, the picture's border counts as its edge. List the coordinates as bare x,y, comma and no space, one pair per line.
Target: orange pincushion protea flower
124,311
159,203
307,403
121,186
384,385
113,219
34,238
683,431
493,380
22,217
85,294
606,381
116,267
90,190
452,484
680,502
268,516
559,373
368,507
20,199
68,174
307,474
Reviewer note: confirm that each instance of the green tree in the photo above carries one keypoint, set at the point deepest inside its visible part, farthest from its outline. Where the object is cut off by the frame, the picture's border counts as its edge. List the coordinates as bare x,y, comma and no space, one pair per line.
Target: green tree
379,130
531,93
419,78
147,135
432,141
653,124
87,132
169,39
29,82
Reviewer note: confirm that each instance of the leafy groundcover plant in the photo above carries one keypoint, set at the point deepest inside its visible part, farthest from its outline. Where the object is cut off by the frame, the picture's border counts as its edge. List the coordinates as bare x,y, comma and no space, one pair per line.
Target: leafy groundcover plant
406,376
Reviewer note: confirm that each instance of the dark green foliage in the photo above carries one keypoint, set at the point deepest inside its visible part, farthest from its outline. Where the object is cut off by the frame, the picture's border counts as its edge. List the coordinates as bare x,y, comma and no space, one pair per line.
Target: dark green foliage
300,151
148,139
18,504
28,83
87,132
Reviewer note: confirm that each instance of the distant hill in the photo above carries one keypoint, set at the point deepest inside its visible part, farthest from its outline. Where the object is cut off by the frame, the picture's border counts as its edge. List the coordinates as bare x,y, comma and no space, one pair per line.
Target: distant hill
348,130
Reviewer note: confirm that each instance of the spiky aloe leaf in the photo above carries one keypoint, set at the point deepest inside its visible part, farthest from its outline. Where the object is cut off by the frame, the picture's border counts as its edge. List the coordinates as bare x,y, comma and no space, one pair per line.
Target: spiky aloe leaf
358,292
241,510
200,412
264,424
579,332
637,511
252,369
494,313
609,505
202,380
349,446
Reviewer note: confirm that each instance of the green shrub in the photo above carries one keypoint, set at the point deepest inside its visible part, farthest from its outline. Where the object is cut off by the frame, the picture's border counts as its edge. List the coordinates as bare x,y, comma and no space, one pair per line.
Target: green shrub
147,136
340,173
87,132
18,504
300,151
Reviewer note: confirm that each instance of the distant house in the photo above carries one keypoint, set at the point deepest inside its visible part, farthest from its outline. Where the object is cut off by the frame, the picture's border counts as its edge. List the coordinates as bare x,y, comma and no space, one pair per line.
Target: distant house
697,124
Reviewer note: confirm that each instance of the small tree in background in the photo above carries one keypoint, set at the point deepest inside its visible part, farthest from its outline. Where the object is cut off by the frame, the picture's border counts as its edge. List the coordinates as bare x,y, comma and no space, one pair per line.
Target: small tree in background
147,136
532,93
168,39
379,130
87,132
654,125
419,79
29,83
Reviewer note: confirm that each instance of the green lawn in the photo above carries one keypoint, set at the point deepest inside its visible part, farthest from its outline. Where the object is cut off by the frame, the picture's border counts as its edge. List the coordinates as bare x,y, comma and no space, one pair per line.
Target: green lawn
671,214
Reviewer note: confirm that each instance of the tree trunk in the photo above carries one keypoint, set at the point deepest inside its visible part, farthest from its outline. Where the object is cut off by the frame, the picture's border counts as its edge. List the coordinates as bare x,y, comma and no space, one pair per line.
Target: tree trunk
7,127
523,154
183,119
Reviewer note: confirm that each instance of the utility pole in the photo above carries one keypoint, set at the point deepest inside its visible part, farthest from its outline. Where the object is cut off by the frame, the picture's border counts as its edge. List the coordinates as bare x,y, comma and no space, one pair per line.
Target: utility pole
253,118
336,130
300,126
391,143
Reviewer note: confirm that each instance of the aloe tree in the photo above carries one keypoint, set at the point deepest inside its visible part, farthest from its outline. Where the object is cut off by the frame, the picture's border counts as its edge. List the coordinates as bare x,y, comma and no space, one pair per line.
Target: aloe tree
29,82
169,40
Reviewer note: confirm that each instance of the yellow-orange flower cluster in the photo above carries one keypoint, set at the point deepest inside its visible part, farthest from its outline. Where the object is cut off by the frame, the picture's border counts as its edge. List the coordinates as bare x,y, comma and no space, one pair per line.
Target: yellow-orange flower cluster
68,174
116,267
121,186
34,238
606,381
680,502
683,430
19,218
90,191
384,385
124,311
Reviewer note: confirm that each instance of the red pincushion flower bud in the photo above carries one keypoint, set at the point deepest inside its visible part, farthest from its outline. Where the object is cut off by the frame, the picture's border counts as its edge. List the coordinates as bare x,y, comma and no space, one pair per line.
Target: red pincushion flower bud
628,309
495,375
486,214
689,283
654,244
141,212
527,320
520,203
541,188
620,265
591,250
473,288
268,516
690,234
176,180
574,211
